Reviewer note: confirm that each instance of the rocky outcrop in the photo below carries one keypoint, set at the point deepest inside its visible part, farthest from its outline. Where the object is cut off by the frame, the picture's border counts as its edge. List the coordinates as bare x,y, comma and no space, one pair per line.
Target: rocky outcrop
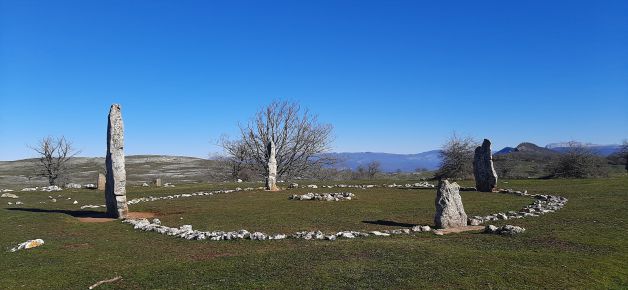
271,180
115,187
483,170
449,210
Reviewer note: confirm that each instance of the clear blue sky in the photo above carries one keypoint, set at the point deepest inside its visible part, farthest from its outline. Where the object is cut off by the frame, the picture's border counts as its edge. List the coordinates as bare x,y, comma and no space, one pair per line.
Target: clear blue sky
391,76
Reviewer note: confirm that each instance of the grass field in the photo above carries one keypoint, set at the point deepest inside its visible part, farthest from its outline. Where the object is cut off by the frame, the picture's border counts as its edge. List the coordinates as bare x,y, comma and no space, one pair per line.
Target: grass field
581,246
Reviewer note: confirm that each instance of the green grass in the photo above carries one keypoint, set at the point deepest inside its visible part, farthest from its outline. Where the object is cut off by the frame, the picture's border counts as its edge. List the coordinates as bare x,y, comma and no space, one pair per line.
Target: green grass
582,246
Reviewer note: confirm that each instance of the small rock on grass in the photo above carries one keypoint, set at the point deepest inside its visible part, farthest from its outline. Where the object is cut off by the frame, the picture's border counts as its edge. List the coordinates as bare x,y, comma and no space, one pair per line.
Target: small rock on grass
27,245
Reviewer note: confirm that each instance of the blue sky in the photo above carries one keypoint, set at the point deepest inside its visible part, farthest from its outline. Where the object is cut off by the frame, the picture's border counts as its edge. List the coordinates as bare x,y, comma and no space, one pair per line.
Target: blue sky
391,76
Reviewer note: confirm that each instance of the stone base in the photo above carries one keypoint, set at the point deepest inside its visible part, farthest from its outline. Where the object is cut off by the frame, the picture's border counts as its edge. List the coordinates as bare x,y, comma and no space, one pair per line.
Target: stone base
117,208
458,230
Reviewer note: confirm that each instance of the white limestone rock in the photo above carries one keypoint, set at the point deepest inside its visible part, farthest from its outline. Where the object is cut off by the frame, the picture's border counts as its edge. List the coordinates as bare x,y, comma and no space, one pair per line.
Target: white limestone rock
449,209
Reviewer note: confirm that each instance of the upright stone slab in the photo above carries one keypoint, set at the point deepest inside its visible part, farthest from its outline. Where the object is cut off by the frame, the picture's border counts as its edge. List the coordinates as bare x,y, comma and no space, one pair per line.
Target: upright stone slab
157,182
115,187
449,210
483,170
101,181
271,180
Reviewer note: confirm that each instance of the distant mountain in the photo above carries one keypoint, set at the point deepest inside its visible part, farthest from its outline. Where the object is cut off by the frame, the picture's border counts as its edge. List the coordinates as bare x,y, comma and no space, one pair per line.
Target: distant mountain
527,148
505,150
390,162
602,150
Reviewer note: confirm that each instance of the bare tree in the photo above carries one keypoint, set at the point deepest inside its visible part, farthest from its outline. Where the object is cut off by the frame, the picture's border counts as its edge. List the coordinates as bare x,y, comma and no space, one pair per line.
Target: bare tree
54,155
577,162
457,158
237,159
299,139
373,168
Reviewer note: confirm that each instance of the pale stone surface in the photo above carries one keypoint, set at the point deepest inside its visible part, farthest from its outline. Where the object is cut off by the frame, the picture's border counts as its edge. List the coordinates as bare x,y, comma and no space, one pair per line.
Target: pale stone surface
28,245
271,180
73,185
157,182
483,170
449,210
115,186
102,180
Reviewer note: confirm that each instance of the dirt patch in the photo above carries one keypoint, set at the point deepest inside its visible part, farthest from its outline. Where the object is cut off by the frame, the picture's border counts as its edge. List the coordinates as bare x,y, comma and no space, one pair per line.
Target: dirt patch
141,215
103,219
458,230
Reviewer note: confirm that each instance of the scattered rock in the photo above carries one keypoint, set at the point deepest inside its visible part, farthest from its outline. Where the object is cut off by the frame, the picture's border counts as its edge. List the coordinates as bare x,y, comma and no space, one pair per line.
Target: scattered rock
9,195
73,185
508,230
144,184
28,245
337,196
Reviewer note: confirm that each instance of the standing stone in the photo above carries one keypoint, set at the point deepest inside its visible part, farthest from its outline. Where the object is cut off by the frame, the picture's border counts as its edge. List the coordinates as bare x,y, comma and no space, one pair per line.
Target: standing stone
101,181
483,170
449,210
271,180
115,187
157,182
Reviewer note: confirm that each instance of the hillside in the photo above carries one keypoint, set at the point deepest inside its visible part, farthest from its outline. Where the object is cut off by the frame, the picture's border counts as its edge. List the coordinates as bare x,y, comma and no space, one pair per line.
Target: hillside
140,168
601,150
524,161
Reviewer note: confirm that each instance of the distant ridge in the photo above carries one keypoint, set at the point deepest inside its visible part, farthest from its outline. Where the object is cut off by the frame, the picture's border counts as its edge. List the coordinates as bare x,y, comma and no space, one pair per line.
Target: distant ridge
602,150
389,162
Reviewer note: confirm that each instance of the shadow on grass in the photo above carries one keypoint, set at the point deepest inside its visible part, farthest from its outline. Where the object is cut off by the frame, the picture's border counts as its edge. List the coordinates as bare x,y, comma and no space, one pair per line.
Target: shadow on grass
74,213
389,223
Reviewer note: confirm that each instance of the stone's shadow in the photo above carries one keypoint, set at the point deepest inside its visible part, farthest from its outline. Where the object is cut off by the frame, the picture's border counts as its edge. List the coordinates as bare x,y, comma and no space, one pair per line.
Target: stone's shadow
73,213
389,223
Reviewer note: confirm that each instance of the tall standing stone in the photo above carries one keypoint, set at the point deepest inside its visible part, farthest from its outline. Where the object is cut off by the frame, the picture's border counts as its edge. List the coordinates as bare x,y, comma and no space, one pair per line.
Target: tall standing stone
483,170
101,181
271,180
115,187
449,210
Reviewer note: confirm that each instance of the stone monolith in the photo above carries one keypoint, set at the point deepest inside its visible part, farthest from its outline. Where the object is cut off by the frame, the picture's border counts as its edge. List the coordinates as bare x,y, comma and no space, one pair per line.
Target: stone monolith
449,210
101,181
115,187
271,180
483,170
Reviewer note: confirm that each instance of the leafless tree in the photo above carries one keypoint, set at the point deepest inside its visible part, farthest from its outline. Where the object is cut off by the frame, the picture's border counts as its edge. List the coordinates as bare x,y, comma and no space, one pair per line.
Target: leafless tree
54,155
577,162
237,160
457,158
299,140
373,168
